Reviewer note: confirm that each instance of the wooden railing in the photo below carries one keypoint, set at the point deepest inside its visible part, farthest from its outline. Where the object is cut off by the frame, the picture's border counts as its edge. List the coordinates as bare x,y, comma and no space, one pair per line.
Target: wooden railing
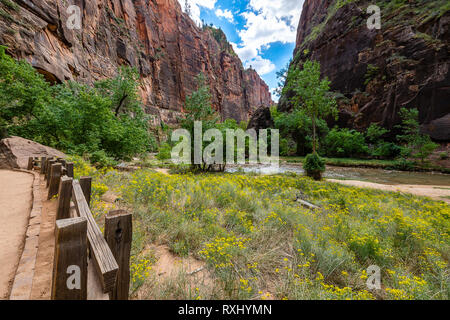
87,264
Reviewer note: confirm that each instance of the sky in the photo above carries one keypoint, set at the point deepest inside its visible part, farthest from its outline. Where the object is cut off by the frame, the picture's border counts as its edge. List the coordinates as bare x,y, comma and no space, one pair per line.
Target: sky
262,32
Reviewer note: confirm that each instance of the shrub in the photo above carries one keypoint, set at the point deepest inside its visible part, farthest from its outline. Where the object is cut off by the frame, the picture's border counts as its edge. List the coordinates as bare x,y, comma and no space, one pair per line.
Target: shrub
101,159
164,152
314,166
387,150
443,155
73,117
344,143
416,145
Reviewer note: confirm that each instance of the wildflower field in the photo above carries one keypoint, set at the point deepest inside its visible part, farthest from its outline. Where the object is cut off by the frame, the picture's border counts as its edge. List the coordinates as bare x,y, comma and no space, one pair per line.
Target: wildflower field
258,242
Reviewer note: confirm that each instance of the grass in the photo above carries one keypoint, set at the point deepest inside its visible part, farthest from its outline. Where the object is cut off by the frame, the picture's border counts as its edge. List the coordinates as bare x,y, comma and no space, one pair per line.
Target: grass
258,242
11,5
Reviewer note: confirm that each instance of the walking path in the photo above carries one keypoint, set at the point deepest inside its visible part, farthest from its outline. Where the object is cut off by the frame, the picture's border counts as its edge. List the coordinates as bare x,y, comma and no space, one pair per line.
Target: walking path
435,192
15,206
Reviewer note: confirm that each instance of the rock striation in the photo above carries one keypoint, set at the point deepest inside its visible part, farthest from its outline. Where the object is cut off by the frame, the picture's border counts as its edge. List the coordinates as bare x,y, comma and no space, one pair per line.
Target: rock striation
377,72
154,36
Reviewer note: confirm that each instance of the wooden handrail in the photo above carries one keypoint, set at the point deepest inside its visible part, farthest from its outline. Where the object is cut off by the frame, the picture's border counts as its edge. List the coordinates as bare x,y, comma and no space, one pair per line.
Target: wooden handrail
105,263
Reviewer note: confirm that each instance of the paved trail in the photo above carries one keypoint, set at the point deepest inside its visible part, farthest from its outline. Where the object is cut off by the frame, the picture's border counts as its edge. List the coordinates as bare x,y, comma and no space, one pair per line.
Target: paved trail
15,207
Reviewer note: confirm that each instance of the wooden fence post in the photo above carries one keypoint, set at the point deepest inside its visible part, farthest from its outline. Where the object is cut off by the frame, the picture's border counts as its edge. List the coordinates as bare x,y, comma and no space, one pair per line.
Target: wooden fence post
70,260
49,170
86,186
118,235
55,177
47,162
43,164
30,163
64,196
69,167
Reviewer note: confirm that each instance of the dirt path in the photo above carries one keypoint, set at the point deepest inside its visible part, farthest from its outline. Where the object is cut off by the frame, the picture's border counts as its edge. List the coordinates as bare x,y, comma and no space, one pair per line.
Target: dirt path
15,206
435,192
42,280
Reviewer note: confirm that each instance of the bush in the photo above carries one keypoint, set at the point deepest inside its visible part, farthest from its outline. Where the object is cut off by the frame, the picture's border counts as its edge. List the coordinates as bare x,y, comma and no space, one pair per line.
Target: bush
73,117
416,145
314,166
101,159
386,150
443,155
344,143
164,152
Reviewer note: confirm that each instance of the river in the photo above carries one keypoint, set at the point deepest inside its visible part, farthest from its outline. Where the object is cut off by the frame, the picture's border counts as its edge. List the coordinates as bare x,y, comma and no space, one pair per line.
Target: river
380,176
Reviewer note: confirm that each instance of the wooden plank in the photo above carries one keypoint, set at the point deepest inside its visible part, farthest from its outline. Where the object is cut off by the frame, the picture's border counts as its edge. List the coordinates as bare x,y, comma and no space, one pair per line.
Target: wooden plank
119,235
86,186
43,163
64,196
94,286
70,260
69,167
105,263
55,178
307,204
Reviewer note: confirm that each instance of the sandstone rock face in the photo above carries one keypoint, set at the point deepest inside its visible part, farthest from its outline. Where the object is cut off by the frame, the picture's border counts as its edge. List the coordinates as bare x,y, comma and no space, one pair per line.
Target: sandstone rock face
261,119
154,36
15,151
404,64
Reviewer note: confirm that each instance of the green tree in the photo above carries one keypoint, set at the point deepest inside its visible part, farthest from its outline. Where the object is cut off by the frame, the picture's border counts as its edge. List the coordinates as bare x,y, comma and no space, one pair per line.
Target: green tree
416,145
296,128
311,93
23,92
104,121
198,108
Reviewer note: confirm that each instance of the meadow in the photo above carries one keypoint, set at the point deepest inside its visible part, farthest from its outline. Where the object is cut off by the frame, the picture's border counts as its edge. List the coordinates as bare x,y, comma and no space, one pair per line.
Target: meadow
258,242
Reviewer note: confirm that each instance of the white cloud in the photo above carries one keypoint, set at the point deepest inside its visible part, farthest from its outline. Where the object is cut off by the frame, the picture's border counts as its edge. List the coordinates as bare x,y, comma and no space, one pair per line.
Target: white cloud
267,21
262,66
227,14
195,7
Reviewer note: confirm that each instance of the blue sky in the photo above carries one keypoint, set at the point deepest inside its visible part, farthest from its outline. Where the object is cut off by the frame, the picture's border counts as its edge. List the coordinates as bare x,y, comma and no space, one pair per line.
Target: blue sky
263,32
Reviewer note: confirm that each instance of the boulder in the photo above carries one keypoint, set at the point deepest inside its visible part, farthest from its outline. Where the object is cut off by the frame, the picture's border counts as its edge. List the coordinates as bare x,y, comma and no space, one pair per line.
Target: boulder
15,151
261,119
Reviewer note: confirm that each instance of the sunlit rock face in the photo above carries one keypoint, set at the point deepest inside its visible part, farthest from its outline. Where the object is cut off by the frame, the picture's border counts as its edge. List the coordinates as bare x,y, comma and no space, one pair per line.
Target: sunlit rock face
154,36
403,64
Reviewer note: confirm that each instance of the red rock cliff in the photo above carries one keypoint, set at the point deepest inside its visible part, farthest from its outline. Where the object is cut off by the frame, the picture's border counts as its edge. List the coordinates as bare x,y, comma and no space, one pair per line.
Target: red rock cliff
152,35
404,64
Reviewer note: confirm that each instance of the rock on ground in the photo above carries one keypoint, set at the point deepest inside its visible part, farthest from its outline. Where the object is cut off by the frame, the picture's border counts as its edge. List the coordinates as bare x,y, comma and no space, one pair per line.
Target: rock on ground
15,151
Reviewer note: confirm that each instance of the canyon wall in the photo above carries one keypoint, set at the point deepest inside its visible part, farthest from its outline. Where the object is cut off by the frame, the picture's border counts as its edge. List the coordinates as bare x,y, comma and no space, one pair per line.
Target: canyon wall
154,36
377,72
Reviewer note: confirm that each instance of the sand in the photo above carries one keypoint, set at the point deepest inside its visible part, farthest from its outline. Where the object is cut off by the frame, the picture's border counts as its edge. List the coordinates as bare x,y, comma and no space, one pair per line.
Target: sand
15,206
435,192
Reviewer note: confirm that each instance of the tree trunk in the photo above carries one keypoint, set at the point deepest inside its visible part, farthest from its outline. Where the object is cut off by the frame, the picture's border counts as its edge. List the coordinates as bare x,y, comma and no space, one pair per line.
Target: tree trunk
314,133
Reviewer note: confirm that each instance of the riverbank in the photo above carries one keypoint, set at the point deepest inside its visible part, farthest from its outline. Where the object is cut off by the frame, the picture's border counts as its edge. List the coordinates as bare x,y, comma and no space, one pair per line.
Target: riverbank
373,163
439,193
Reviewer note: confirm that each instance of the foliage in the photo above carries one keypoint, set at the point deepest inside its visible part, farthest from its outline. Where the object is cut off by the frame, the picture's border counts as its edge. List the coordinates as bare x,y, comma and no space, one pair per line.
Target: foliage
314,165
296,127
372,72
164,152
106,120
416,145
257,243
344,143
311,94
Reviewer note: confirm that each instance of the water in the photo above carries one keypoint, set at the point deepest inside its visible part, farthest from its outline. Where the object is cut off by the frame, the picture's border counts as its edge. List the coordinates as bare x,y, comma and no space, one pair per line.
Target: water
389,177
